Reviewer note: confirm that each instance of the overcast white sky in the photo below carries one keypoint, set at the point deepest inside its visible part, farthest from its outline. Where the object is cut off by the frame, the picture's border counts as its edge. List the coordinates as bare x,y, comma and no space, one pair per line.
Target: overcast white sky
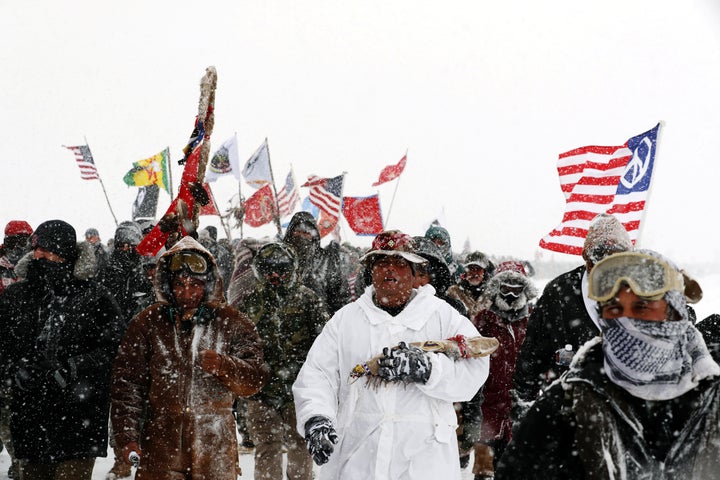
483,95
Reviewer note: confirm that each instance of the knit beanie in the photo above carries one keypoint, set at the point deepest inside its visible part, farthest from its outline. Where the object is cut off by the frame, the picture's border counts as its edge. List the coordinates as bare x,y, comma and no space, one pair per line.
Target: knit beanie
128,232
18,227
57,237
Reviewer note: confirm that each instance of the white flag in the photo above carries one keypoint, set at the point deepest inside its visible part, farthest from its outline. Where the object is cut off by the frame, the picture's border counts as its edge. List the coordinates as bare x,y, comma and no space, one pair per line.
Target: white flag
257,168
224,161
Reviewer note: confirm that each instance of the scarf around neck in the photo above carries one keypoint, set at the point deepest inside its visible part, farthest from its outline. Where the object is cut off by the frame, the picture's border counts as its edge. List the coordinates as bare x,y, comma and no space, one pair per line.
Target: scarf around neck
655,360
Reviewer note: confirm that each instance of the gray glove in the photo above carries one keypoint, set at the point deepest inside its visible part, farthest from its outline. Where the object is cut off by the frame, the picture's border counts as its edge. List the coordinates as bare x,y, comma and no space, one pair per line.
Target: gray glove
320,437
404,364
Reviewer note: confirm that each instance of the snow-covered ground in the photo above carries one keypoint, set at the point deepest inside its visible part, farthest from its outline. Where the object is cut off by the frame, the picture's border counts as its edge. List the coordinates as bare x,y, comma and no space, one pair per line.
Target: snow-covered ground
710,283
102,465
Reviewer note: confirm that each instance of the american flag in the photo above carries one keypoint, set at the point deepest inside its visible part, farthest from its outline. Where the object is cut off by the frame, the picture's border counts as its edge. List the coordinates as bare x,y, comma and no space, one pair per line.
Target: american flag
288,196
85,162
596,180
326,193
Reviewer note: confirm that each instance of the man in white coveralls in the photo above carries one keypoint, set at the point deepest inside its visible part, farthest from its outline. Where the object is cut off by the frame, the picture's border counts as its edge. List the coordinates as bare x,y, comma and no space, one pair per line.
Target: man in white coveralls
402,424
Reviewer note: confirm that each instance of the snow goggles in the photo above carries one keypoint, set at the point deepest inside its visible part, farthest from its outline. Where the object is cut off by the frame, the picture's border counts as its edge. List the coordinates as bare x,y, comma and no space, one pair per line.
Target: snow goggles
188,261
647,276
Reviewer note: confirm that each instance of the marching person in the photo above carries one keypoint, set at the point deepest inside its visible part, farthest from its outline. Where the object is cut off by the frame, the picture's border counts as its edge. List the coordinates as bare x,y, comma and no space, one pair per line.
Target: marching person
404,428
60,335
184,360
564,315
507,299
640,401
288,317
319,268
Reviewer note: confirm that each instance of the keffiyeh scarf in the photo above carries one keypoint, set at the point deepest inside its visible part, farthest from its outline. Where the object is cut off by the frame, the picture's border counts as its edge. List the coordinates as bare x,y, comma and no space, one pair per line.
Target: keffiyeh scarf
655,360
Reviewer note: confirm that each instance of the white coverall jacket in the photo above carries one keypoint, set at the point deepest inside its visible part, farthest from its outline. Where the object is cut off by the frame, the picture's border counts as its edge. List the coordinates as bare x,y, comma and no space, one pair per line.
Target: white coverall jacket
395,430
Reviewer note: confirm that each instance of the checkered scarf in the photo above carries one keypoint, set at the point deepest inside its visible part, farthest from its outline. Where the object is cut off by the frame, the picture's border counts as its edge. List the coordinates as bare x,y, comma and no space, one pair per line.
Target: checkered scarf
655,360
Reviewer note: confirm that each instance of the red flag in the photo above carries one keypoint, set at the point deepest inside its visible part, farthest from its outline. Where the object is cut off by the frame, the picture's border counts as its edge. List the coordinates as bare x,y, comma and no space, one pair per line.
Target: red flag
326,223
260,207
211,208
363,214
596,180
391,172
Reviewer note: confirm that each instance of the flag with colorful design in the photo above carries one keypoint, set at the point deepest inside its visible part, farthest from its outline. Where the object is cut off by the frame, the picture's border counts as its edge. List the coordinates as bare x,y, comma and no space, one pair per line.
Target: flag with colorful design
224,161
594,180
150,171
260,207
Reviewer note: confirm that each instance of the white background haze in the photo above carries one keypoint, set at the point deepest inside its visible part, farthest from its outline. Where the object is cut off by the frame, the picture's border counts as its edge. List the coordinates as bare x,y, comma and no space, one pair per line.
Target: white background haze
483,95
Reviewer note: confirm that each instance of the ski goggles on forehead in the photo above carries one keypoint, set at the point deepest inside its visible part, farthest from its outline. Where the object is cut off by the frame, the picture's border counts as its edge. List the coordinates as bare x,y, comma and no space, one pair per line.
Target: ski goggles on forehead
647,276
188,261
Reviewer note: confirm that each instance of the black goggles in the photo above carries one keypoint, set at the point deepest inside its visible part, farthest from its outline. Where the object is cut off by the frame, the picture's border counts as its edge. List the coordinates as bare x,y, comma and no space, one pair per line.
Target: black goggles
648,277
188,261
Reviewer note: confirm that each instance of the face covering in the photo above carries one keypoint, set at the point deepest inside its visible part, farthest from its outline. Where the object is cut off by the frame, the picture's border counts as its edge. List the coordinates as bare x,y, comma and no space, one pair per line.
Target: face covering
56,274
655,360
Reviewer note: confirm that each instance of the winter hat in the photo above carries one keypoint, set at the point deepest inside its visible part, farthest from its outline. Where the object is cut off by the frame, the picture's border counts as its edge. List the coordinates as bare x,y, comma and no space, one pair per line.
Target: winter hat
511,266
212,232
18,227
57,237
479,259
392,242
605,236
128,232
92,232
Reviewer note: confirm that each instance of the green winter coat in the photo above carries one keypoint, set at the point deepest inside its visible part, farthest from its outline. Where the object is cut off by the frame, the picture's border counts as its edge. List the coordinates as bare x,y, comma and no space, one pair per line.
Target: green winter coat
288,320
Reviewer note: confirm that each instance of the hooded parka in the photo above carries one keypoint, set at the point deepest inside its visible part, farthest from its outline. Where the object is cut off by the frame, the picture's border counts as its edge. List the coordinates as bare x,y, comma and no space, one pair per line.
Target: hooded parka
392,431
189,429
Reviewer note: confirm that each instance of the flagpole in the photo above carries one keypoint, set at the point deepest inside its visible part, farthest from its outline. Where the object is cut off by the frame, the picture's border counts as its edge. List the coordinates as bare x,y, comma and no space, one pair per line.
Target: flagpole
276,216
169,167
340,213
102,185
652,175
392,200
222,221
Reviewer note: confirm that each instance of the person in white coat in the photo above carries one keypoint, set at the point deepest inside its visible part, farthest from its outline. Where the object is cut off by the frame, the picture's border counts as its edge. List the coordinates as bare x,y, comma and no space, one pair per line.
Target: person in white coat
404,426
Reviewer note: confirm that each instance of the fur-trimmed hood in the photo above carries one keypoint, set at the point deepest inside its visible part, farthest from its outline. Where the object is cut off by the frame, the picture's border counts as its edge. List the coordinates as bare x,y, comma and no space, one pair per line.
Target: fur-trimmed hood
491,297
214,296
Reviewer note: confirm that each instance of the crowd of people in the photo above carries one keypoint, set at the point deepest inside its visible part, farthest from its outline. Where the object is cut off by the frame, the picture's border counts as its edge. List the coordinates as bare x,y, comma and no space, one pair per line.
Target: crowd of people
169,360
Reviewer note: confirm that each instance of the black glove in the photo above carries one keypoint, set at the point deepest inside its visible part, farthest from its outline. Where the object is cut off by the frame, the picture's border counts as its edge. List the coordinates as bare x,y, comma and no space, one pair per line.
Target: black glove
404,364
320,437
30,376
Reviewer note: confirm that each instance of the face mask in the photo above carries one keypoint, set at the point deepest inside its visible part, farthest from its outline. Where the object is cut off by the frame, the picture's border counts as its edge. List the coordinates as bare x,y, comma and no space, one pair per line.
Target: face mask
127,258
15,254
56,274
655,360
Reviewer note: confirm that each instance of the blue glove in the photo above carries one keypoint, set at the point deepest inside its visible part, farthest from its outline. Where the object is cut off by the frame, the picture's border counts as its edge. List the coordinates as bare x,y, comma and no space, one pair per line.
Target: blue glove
404,364
320,437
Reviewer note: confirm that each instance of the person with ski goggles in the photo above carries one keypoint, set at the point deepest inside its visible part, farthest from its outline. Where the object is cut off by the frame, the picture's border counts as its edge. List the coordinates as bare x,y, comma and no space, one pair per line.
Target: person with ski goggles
642,400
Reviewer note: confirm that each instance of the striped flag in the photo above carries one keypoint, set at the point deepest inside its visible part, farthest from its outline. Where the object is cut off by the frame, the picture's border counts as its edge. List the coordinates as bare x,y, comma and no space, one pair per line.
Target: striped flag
288,196
326,193
85,162
594,180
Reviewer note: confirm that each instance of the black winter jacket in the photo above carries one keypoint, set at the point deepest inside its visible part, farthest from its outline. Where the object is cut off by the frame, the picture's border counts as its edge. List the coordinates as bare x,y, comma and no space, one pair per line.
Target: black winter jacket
585,426
56,352
559,319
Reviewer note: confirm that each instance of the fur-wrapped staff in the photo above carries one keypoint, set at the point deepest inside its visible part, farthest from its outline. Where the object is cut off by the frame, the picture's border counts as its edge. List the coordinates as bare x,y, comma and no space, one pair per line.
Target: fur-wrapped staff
401,356
182,216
